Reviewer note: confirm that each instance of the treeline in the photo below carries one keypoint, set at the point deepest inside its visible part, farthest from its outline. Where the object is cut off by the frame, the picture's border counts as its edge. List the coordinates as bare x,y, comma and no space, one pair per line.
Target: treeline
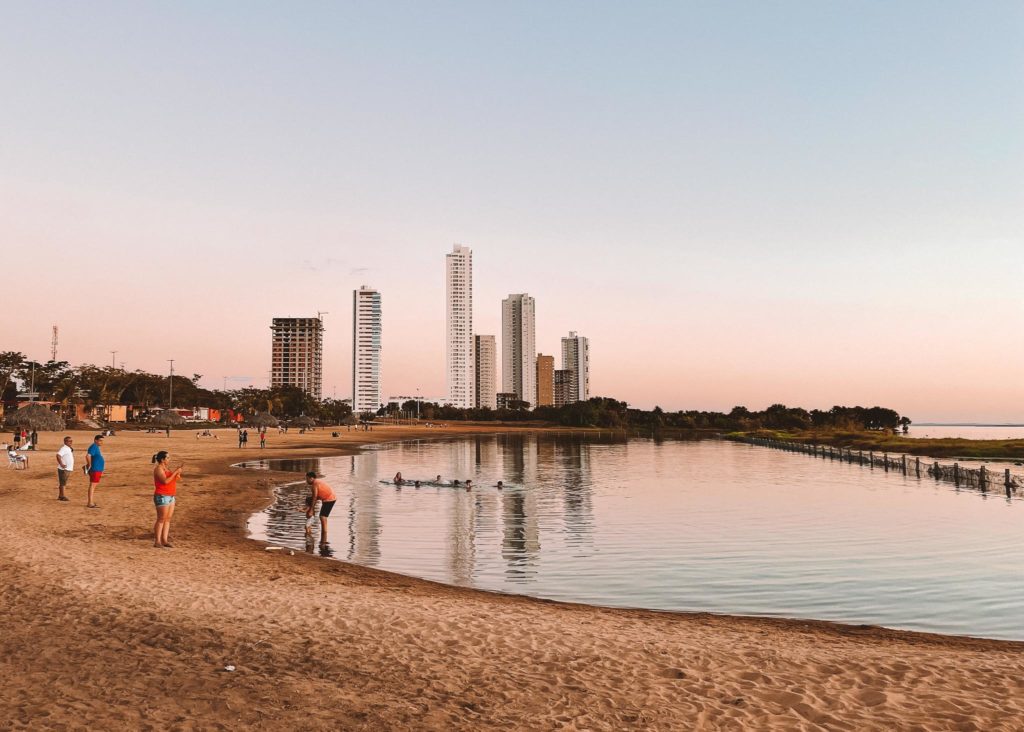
90,386
611,413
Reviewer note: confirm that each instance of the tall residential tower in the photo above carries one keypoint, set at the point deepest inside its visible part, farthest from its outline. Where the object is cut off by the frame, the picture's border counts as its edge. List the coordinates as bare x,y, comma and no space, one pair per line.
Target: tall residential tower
296,354
519,348
459,365
486,369
576,360
366,347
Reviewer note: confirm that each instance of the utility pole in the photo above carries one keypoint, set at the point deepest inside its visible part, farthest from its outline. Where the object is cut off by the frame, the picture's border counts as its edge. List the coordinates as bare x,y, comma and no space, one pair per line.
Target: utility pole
113,354
53,345
170,398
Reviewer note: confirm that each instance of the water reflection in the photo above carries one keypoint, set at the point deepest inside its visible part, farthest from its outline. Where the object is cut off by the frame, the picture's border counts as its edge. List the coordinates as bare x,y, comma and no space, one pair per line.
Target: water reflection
690,526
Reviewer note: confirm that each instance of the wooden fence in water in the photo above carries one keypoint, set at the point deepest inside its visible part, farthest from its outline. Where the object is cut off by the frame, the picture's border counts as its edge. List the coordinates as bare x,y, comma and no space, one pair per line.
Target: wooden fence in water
983,478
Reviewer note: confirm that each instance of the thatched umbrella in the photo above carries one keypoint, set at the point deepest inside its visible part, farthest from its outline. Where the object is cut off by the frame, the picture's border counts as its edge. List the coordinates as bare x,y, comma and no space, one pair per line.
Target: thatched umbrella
304,421
167,418
262,419
36,417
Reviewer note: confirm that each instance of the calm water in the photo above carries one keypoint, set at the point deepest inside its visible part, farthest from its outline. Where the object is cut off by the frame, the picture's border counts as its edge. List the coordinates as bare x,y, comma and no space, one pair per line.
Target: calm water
707,525
969,432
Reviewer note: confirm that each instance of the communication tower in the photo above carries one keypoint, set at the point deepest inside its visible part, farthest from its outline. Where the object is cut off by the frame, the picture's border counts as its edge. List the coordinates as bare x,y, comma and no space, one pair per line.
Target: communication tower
53,345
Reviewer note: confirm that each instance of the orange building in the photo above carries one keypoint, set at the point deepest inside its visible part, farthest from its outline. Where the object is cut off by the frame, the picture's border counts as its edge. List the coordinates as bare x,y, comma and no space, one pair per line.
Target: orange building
545,381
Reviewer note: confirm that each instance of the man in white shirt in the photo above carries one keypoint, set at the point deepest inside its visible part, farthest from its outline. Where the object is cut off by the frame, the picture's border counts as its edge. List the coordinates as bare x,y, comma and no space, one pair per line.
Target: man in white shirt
65,464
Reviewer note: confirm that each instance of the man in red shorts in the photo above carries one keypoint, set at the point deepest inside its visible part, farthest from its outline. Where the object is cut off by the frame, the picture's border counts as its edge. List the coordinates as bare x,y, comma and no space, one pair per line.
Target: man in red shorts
94,464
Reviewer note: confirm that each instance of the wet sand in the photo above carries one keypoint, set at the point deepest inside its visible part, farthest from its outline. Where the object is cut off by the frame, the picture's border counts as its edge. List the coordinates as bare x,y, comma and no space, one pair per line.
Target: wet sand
100,630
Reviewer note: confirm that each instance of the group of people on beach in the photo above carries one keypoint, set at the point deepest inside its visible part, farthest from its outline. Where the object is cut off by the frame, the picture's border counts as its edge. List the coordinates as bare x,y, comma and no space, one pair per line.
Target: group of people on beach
93,468
165,488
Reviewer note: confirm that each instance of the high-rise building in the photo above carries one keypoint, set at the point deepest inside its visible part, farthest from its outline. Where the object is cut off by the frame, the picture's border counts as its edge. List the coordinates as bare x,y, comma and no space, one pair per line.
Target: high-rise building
485,369
545,381
576,359
518,348
459,366
366,349
296,353
563,387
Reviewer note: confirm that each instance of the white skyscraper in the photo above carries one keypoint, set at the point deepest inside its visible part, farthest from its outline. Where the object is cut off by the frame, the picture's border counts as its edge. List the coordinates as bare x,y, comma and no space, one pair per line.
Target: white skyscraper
519,348
486,371
366,346
459,366
576,360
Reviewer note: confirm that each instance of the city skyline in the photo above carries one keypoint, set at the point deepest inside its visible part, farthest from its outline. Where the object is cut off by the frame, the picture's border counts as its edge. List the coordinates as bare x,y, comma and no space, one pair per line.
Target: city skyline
811,208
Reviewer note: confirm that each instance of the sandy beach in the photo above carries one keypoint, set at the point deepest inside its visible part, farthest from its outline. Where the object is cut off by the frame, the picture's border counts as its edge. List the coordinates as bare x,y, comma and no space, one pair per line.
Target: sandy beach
100,630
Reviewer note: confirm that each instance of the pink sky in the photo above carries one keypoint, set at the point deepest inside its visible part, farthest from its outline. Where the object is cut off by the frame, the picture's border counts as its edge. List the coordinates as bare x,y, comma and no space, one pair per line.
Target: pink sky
830,213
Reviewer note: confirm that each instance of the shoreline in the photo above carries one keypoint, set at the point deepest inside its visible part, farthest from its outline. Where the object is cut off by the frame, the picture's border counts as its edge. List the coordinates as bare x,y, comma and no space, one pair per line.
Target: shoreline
96,622
357,450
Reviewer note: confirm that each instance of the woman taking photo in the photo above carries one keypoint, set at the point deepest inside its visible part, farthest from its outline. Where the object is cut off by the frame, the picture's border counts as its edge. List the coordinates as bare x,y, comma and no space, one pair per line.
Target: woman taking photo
165,482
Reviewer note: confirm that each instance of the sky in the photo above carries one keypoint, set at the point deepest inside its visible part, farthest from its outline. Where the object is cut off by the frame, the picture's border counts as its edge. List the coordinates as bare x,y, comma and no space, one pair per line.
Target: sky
737,202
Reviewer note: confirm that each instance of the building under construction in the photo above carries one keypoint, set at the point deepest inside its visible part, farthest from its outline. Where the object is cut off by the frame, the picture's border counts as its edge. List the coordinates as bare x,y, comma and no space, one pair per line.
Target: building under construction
297,354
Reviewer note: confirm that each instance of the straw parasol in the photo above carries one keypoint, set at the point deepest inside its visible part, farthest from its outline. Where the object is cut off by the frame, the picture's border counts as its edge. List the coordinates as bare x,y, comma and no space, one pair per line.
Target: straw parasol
36,417
262,419
167,418
304,421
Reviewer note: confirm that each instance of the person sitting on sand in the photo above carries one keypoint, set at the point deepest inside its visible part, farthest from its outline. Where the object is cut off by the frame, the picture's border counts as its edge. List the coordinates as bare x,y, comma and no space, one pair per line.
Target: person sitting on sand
325,494
398,478
165,483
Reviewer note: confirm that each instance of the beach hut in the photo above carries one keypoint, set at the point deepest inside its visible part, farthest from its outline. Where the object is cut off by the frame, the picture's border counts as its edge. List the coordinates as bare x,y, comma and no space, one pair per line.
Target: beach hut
168,418
35,417
262,419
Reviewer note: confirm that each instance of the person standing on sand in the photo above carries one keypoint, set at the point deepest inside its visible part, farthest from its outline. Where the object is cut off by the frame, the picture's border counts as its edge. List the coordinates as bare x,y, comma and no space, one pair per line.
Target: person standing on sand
165,484
94,466
263,438
65,464
239,436
245,438
325,494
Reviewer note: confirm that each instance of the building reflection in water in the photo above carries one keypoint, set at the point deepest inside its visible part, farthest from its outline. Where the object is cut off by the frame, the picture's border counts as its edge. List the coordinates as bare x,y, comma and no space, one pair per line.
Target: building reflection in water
573,458
520,545
364,510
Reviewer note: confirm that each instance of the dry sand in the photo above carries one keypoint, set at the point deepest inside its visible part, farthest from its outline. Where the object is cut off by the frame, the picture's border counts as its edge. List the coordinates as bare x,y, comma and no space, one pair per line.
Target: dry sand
100,630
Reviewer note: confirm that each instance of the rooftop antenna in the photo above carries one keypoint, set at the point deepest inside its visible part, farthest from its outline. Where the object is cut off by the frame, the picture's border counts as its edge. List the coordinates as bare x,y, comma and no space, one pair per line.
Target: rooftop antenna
53,345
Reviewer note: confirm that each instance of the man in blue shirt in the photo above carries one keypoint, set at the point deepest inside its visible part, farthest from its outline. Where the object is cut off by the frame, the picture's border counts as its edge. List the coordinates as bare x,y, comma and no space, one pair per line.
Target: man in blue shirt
94,465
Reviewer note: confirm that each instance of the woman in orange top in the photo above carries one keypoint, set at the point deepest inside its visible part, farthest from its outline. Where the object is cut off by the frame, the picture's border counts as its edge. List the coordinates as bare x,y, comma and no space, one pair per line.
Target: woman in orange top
165,483
325,494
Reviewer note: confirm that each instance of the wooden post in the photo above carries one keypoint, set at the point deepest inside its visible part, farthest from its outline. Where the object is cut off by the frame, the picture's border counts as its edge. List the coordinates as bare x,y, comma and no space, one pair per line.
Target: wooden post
1006,479
903,460
860,454
983,478
937,471
956,473
917,466
871,457
885,461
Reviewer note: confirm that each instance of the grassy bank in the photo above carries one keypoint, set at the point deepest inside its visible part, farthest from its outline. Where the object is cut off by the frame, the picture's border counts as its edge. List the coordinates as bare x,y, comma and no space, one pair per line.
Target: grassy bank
882,442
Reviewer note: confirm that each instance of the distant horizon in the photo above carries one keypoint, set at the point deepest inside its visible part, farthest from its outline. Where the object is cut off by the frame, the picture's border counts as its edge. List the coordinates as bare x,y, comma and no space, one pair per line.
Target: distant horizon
811,205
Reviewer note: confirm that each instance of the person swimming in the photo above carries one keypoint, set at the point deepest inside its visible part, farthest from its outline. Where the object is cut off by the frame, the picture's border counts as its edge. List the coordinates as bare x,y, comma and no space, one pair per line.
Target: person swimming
455,482
416,484
437,479
398,478
500,485
469,484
